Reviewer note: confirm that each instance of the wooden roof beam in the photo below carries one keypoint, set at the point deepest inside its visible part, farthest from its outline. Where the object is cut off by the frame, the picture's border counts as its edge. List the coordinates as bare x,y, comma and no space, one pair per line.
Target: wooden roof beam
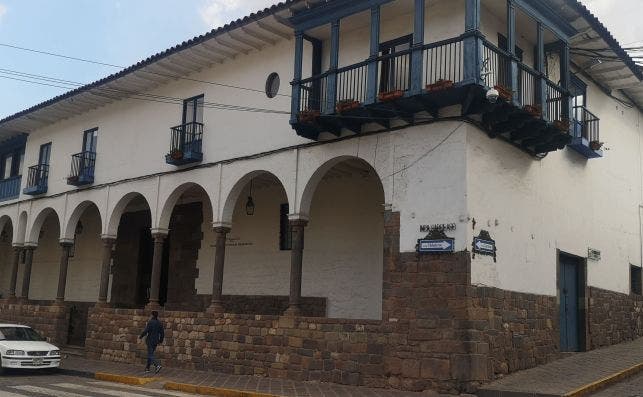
245,41
274,30
218,51
232,46
258,36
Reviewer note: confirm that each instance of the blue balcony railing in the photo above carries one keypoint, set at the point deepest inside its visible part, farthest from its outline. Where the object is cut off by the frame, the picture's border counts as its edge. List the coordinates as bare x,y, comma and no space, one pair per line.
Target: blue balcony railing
37,178
10,188
185,144
82,169
585,133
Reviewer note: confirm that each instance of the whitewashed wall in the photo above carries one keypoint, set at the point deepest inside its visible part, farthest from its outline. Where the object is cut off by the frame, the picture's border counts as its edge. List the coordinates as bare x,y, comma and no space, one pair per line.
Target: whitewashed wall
444,172
565,202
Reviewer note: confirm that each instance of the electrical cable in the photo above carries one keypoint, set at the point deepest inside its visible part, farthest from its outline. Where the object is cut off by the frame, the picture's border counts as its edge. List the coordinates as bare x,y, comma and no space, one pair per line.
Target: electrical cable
173,76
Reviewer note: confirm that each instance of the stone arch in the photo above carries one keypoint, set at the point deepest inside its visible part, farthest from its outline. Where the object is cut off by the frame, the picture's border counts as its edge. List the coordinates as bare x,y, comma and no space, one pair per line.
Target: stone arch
114,218
308,192
4,221
233,194
173,198
70,226
36,226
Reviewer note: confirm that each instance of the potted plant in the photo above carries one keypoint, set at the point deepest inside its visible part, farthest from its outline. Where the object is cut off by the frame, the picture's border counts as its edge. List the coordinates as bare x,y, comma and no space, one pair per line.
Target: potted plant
390,95
347,104
176,154
596,145
533,110
439,85
308,115
562,125
504,92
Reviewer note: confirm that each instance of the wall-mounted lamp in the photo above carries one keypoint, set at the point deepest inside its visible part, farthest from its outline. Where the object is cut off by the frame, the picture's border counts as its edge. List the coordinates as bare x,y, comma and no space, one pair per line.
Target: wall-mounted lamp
250,205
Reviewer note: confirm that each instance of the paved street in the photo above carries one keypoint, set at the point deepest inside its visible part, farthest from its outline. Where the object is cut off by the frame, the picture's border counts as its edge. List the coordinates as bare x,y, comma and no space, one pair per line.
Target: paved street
632,387
31,383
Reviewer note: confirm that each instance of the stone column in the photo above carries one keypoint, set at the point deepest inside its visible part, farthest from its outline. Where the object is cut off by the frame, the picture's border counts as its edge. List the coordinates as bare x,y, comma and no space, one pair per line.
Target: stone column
14,273
216,304
65,246
157,261
296,255
108,244
26,277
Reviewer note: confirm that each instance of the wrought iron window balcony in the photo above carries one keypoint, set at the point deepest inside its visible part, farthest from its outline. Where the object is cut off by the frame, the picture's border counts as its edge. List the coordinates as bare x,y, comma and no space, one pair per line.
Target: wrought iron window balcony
585,133
82,169
185,144
531,112
37,177
10,188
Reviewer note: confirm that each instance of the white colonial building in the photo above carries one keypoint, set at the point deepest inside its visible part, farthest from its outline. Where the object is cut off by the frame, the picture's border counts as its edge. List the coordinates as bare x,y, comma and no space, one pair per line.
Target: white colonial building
451,189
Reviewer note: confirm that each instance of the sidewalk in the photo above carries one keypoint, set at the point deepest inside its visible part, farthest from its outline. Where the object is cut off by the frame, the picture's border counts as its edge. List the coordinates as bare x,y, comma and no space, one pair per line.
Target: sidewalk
576,375
251,384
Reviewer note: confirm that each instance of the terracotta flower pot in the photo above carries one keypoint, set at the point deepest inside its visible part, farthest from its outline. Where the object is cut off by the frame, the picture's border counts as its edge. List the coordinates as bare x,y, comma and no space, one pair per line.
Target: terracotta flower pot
439,85
176,154
595,145
308,116
533,110
346,105
504,92
390,95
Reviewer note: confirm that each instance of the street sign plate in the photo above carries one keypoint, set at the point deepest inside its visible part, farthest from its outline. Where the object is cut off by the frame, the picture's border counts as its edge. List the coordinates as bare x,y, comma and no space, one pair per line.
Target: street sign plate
485,247
439,245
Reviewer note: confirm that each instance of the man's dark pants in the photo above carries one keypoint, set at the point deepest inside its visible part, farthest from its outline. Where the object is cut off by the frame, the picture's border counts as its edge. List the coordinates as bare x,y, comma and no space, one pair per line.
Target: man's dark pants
150,356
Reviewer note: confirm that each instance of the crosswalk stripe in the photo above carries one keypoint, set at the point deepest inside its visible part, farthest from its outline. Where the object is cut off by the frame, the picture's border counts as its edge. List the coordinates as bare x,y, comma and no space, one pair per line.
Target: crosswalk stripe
48,392
128,387
9,394
97,390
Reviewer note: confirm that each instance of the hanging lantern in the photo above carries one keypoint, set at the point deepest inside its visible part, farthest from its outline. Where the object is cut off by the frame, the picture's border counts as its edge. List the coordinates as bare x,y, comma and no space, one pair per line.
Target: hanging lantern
250,205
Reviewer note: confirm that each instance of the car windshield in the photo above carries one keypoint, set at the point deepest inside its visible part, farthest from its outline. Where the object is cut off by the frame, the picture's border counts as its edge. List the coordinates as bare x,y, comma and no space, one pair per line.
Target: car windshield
19,334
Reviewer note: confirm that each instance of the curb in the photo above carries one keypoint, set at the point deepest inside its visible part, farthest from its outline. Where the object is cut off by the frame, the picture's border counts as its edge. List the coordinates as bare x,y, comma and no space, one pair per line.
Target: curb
213,391
604,382
128,380
76,372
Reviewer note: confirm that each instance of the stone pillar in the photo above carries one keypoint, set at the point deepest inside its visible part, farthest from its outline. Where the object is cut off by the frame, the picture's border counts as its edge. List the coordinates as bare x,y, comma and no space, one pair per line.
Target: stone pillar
159,236
296,255
14,272
108,244
65,246
26,277
216,304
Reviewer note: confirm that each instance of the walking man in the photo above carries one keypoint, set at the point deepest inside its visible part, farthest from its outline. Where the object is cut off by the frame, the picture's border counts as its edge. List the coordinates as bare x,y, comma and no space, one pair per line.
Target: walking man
155,335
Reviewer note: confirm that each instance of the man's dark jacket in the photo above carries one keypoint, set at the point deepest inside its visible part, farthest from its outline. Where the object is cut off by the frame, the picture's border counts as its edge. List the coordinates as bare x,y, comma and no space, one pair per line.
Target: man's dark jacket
154,332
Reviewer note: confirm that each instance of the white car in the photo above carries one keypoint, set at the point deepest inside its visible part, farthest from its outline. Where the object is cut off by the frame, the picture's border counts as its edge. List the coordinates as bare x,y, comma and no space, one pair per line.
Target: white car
22,347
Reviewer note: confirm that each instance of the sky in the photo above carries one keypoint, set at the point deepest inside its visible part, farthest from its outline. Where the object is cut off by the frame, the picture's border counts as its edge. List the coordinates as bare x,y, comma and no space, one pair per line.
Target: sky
123,32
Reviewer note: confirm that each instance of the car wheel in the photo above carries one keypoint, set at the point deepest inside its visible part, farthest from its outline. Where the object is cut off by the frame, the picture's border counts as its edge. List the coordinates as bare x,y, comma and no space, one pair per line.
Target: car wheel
1,367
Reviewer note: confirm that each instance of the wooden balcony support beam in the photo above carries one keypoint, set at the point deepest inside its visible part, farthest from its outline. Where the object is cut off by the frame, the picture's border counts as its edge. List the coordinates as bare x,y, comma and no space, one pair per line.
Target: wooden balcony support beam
416,54
371,78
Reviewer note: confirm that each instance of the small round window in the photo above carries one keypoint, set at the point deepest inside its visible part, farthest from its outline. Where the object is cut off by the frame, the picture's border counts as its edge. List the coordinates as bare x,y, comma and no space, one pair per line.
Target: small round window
272,85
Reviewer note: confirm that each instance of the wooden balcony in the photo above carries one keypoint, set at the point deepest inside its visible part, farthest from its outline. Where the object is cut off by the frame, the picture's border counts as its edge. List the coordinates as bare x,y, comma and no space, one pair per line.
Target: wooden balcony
185,144
585,133
37,178
412,86
10,188
82,169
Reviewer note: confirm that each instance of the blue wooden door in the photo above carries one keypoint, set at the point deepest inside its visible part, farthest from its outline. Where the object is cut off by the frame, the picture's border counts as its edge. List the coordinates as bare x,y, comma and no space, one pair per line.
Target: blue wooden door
569,325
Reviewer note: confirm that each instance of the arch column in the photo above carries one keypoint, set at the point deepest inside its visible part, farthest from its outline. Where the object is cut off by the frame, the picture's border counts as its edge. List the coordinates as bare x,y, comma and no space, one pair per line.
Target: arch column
65,246
216,304
159,236
17,249
26,277
108,244
297,225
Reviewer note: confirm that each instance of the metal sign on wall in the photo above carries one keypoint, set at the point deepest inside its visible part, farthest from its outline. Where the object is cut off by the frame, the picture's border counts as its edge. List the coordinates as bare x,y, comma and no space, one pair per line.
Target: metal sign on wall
436,246
483,244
